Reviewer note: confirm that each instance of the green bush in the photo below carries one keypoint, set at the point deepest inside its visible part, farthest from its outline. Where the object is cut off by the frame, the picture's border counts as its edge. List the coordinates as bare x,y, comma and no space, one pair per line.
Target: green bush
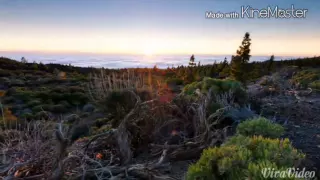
33,103
174,81
218,87
42,107
118,104
25,96
77,98
5,80
65,104
17,82
58,109
28,116
315,85
8,100
42,115
305,77
244,158
260,126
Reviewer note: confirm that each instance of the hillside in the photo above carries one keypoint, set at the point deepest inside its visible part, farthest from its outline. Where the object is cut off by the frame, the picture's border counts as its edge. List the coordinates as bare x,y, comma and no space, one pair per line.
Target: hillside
147,123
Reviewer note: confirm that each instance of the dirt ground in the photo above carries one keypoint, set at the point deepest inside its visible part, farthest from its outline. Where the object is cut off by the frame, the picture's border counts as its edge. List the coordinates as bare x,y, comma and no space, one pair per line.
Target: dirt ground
301,119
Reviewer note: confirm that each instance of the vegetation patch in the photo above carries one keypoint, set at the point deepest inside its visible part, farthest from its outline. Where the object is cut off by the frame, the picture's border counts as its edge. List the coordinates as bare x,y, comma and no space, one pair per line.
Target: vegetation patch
260,126
218,87
307,77
244,158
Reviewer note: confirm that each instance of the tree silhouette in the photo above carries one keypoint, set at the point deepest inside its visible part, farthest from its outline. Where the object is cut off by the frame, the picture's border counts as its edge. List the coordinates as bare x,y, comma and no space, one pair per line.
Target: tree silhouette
191,62
239,62
270,64
24,60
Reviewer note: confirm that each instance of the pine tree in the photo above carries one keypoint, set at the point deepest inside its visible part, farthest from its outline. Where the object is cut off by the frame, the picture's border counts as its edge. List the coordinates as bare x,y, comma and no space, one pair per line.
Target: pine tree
24,60
270,64
191,62
239,62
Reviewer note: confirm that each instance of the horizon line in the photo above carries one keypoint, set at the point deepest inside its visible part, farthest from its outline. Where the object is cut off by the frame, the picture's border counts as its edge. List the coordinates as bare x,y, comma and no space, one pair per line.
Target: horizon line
141,54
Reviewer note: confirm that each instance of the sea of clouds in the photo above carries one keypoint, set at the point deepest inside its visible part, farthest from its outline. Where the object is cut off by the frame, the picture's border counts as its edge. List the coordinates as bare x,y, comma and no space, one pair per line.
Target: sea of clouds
125,61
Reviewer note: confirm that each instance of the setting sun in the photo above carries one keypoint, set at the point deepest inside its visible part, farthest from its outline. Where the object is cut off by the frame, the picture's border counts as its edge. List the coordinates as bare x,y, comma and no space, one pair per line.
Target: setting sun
148,52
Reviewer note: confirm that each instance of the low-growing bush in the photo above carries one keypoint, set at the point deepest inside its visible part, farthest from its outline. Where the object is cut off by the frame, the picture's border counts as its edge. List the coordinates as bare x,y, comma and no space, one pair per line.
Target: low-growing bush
305,77
6,81
101,121
17,82
5,73
119,103
11,91
27,116
65,104
77,98
8,99
58,109
33,103
244,158
260,126
42,107
218,87
315,85
174,81
25,96
42,115
79,131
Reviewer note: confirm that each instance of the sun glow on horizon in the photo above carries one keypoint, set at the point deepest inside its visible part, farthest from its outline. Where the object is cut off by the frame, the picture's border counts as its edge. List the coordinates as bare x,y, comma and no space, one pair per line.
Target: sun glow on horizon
148,52
143,44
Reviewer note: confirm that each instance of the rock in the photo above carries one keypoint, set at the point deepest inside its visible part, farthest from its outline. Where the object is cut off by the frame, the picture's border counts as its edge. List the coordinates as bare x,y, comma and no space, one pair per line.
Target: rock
88,108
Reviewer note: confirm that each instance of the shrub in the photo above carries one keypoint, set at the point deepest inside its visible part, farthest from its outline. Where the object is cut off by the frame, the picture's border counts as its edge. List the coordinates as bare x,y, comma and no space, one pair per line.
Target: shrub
218,87
11,91
260,126
59,89
100,122
42,115
8,99
79,131
305,77
174,81
17,82
77,98
28,116
42,107
5,73
244,158
65,104
73,89
315,85
24,95
33,103
118,103
58,108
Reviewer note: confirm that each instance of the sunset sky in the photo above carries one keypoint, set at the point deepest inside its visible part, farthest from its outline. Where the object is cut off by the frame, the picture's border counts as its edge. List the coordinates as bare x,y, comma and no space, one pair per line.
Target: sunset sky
153,27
